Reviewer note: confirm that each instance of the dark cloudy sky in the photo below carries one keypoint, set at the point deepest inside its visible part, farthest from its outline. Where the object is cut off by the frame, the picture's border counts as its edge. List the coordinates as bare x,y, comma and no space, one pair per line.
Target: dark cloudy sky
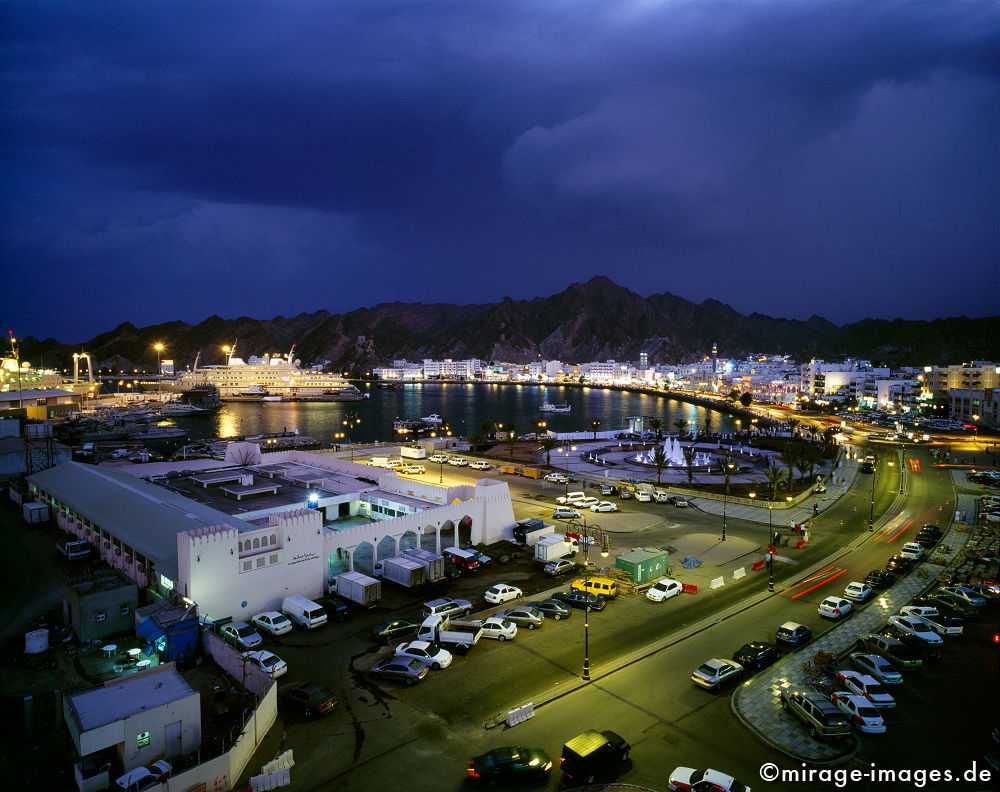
174,160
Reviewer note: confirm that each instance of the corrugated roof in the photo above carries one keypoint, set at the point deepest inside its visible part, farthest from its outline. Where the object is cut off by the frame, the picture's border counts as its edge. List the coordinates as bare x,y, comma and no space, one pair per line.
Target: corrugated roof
145,516
131,695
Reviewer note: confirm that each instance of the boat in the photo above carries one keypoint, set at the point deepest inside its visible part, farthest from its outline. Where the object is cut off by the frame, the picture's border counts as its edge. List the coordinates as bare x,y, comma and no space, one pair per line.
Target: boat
275,375
555,408
433,419
271,399
182,408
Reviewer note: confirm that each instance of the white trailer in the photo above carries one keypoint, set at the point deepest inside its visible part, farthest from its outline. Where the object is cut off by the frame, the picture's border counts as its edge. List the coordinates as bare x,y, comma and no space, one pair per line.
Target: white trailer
357,588
431,562
404,571
553,546
413,452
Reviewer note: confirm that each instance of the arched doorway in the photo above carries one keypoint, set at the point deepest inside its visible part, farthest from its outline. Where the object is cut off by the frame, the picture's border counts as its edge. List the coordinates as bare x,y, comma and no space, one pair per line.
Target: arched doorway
364,560
408,541
386,548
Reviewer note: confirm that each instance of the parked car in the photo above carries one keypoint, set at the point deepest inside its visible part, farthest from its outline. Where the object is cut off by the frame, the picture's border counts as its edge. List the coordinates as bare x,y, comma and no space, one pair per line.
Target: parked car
241,635
914,625
820,715
558,566
604,506
480,464
892,648
594,756
458,461
606,489
664,589
965,593
880,579
941,624
552,609
580,599
927,540
268,662
308,698
510,764
865,717
432,654
858,592
273,622
678,500
522,616
899,564
949,603
501,593
928,528
685,779
336,608
791,635
877,667
625,493
565,513
143,778
408,670
556,478
413,470
835,608
989,592
597,584
755,655
498,629
390,629
643,496
869,687
912,550
716,673
438,459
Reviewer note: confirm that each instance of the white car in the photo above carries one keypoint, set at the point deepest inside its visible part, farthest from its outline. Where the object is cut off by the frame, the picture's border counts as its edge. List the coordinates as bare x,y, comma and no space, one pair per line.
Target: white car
556,478
423,650
835,608
863,715
683,779
967,594
664,589
143,778
604,506
570,498
273,622
912,550
438,459
501,593
498,629
866,686
644,497
942,625
914,625
394,463
565,513
458,461
480,464
858,592
413,470
585,503
268,662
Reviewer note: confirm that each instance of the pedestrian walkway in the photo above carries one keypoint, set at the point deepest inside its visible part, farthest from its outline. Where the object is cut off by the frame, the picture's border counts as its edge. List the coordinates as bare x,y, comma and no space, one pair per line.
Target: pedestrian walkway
758,703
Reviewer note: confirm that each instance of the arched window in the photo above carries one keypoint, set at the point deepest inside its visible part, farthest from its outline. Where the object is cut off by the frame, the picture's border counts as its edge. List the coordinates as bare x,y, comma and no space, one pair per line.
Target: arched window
256,543
274,539
241,546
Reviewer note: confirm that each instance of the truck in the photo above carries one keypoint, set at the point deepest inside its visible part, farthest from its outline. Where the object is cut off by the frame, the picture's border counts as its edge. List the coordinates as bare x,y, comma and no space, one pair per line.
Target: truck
522,528
74,549
463,559
457,636
511,470
357,588
552,546
533,473
432,563
35,513
413,452
402,571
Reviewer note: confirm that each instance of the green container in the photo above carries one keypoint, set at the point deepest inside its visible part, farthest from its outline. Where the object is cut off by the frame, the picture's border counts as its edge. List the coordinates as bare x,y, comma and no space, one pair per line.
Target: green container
644,564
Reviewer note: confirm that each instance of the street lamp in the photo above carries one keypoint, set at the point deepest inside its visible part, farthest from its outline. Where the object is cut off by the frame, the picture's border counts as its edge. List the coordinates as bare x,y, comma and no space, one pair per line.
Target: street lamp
595,425
871,506
727,469
159,352
565,453
584,536
350,421
770,541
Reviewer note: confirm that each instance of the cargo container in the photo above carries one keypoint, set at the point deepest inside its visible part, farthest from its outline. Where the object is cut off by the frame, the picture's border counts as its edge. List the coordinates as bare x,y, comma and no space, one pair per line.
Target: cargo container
552,546
35,512
432,563
413,452
402,571
511,470
357,588
534,473
523,527
644,564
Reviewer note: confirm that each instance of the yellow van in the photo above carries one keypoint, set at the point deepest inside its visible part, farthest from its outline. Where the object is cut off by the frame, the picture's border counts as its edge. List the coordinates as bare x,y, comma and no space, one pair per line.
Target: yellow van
601,586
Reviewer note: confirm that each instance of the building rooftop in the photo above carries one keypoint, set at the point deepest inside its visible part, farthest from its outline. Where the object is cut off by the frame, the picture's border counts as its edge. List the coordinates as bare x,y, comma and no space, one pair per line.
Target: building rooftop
127,696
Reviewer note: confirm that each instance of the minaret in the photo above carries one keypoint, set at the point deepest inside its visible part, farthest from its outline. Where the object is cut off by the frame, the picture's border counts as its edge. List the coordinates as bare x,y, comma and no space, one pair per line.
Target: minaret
715,365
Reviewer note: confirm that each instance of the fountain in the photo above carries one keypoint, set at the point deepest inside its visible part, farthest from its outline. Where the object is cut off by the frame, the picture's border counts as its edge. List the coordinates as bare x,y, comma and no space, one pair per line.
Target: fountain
675,456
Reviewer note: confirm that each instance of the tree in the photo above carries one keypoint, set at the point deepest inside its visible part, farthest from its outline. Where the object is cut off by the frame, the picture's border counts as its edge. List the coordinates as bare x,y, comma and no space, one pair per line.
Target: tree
791,456
811,454
733,395
680,425
476,439
708,423
547,444
828,434
660,462
774,477
746,399
803,465
689,452
511,438
656,424
487,428
793,425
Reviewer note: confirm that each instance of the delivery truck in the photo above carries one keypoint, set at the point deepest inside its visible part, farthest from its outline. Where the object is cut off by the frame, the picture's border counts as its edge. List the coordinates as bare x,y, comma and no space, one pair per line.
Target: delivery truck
413,452
457,636
552,546
402,571
432,563
357,588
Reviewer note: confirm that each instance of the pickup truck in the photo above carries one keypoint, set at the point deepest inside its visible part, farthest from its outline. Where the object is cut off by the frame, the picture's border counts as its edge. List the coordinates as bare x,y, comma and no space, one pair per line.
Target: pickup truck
74,549
441,630
447,607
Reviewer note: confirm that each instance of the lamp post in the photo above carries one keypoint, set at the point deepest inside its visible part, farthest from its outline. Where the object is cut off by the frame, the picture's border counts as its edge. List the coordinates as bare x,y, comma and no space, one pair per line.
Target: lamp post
565,452
770,538
350,421
595,425
727,470
159,353
871,506
584,533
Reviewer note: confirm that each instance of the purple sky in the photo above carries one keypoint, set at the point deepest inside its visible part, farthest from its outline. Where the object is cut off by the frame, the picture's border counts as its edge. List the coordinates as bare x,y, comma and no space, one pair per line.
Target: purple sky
174,160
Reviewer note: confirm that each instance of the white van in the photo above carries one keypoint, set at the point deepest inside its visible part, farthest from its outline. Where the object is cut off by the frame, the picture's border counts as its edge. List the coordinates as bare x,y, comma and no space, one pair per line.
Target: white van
304,612
570,498
379,461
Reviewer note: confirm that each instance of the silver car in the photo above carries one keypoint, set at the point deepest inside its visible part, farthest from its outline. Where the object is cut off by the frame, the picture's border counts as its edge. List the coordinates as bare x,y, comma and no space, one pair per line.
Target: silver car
406,669
876,666
523,616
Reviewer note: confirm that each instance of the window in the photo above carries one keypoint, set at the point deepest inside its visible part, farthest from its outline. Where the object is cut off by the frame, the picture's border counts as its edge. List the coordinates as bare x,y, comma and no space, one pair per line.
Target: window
142,740
274,539
241,547
261,561
247,566
273,558
100,616
123,609
256,543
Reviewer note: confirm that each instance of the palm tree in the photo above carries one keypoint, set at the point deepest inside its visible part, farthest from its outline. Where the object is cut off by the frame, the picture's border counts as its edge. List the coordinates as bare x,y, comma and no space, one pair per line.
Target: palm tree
804,465
689,452
791,456
828,434
793,424
812,455
656,424
774,477
660,462
487,428
547,444
511,438
681,426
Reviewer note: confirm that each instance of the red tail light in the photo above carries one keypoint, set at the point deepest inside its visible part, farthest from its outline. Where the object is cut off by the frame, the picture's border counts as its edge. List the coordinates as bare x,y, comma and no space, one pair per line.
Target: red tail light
473,773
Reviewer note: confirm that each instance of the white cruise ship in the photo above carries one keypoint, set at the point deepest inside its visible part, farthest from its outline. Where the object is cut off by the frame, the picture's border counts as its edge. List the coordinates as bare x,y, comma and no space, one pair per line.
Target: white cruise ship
275,375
